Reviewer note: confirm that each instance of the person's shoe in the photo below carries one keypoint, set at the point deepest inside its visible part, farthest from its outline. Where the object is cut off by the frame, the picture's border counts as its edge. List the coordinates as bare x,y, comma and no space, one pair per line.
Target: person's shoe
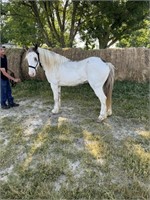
14,105
5,106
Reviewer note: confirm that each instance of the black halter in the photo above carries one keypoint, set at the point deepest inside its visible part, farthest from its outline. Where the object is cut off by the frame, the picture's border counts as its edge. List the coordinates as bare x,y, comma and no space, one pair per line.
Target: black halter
39,59
33,67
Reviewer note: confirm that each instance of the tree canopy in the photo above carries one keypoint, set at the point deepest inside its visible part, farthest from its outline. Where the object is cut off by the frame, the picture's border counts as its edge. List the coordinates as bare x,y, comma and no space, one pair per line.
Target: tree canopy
112,21
138,38
56,23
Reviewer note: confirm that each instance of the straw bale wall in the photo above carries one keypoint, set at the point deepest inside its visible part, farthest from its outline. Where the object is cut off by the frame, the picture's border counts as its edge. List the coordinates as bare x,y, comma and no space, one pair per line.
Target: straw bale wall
130,63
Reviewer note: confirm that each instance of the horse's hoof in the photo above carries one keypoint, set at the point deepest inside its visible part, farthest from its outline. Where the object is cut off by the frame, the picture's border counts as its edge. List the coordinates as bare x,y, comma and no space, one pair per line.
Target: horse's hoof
55,111
109,114
54,114
100,119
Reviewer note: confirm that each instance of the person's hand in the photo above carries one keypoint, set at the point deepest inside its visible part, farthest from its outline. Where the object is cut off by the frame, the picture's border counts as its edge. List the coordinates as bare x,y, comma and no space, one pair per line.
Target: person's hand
17,80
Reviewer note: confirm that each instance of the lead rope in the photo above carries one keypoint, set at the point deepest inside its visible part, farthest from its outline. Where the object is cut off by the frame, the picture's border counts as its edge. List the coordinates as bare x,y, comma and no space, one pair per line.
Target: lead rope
13,83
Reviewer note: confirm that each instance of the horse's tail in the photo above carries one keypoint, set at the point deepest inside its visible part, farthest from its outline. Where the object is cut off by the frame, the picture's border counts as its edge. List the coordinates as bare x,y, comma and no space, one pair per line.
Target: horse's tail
108,86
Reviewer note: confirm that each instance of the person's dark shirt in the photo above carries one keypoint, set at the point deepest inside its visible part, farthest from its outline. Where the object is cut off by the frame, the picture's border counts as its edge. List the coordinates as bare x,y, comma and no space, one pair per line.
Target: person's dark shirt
3,64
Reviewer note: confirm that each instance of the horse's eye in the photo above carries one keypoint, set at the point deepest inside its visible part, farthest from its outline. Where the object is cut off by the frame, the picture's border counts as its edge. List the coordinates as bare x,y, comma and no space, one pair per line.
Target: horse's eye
35,59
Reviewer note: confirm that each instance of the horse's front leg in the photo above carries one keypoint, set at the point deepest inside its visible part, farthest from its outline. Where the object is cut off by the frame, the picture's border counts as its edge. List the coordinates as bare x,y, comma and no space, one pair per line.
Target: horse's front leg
56,96
59,96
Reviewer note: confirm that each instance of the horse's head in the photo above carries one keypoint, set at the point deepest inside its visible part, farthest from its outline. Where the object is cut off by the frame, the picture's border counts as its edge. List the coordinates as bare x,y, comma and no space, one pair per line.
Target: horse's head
32,57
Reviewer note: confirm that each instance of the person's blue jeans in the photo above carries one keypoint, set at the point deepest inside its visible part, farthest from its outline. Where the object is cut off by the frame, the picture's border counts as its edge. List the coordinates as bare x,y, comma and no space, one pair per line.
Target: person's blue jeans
6,93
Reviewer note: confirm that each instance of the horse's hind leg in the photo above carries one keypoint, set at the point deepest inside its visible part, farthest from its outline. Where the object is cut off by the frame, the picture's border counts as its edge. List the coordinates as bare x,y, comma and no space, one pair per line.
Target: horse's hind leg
109,105
100,94
108,93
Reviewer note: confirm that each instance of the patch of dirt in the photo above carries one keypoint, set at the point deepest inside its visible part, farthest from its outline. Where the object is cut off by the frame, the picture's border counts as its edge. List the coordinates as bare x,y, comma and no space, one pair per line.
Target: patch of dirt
34,114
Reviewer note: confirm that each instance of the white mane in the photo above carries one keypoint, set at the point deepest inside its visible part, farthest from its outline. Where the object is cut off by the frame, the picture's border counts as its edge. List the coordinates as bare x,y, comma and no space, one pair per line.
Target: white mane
49,58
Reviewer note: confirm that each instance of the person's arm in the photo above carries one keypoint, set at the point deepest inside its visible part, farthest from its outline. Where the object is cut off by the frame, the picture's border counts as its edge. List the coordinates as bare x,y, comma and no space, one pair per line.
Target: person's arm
8,76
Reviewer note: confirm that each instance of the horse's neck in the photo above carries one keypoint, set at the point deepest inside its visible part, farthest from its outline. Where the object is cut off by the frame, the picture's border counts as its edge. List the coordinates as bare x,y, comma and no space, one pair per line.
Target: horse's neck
50,59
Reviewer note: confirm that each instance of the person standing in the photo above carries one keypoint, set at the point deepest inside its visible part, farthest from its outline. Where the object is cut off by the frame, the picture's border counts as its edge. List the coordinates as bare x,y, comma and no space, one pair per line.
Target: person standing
7,100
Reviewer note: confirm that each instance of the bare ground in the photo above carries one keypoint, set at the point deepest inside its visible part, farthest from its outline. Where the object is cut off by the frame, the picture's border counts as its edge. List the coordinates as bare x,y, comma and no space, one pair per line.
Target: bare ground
35,114
34,117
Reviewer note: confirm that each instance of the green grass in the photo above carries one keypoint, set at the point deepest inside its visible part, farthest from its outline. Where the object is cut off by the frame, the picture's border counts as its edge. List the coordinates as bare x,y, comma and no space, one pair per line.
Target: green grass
129,99
78,159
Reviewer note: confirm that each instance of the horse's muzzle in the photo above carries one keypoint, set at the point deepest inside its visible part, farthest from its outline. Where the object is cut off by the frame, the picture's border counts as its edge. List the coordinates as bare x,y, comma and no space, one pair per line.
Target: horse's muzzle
32,71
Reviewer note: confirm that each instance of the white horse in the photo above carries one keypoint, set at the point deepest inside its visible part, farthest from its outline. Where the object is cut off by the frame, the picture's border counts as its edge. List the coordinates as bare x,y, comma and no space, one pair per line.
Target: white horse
60,71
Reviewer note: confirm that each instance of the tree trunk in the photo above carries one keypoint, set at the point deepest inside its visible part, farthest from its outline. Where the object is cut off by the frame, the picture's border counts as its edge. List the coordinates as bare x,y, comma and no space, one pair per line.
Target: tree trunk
102,43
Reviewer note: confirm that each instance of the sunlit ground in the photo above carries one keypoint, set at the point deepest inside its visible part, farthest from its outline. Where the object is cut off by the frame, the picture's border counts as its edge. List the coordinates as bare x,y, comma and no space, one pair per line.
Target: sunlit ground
70,156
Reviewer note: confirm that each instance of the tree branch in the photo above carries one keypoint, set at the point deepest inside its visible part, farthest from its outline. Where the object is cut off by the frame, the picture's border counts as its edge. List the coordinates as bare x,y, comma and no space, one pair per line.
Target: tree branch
36,13
72,29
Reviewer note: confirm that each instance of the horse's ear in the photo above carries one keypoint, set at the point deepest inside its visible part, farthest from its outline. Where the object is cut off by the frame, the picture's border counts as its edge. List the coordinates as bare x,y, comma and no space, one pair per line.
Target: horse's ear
25,48
36,46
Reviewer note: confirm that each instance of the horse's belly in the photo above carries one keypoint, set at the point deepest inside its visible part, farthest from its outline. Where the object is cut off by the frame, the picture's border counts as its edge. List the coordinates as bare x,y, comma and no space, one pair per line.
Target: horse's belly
71,78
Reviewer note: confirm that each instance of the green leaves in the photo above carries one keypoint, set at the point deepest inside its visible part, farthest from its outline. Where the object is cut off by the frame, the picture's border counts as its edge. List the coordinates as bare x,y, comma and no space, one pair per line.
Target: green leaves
56,23
110,21
138,38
